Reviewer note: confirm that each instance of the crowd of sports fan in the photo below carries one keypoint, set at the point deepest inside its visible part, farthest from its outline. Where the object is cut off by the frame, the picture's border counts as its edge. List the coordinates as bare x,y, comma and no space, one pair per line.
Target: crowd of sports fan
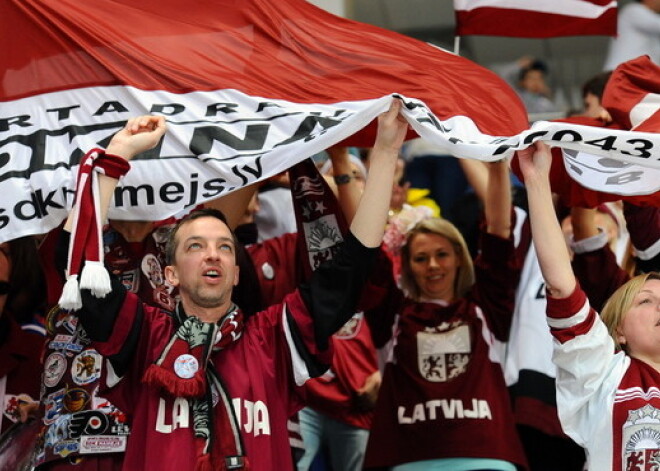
342,316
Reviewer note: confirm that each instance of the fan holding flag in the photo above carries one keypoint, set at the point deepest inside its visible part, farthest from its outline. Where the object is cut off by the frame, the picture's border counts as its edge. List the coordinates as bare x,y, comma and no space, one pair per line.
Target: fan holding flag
607,365
207,388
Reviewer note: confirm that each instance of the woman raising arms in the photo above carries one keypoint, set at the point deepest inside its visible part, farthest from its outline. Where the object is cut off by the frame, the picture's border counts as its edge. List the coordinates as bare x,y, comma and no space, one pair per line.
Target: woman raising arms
608,377
443,404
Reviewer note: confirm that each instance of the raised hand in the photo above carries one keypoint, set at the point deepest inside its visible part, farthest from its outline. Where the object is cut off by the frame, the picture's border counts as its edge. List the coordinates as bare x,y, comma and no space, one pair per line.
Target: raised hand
138,135
535,161
392,128
551,249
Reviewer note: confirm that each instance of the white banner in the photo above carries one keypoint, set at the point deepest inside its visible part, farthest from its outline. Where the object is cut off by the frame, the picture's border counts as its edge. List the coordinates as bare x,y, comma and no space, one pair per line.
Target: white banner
222,140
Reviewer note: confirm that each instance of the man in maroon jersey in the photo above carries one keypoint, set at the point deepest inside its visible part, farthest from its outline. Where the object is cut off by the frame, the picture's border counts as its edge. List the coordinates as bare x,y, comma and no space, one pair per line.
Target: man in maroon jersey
204,387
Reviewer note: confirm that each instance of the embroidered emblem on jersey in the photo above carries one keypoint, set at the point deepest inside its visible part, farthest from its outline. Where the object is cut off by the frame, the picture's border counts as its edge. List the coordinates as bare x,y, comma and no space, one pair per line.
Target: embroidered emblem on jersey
161,289
72,429
130,280
54,368
57,318
118,418
65,342
53,405
444,355
350,329
86,367
75,399
11,405
641,439
323,235
160,235
163,297
89,422
58,431
152,270
65,448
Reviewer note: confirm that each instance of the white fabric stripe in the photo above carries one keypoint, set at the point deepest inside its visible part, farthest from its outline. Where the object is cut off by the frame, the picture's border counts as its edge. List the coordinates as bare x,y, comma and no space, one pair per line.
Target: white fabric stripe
647,107
228,404
521,216
576,8
649,252
590,244
495,347
572,321
75,210
3,389
637,393
96,189
300,371
112,379
34,328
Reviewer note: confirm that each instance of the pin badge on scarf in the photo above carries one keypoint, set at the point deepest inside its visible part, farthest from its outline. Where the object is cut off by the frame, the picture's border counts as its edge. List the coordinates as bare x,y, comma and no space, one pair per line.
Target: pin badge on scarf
185,366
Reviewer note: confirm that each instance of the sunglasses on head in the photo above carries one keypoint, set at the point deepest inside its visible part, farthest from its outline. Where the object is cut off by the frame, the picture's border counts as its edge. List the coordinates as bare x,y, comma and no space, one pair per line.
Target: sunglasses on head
4,287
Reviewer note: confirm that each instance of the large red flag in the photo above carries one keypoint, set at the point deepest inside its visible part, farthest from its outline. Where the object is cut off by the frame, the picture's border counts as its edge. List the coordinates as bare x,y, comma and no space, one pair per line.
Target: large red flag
285,49
249,88
72,72
535,18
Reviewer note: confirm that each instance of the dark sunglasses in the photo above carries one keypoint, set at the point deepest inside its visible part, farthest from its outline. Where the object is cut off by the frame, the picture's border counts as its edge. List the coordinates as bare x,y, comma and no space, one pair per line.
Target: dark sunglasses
4,287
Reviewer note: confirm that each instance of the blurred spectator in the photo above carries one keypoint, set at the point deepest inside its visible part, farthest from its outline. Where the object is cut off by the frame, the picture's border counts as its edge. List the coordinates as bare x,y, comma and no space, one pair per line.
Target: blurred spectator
638,33
533,88
22,299
530,78
592,92
427,167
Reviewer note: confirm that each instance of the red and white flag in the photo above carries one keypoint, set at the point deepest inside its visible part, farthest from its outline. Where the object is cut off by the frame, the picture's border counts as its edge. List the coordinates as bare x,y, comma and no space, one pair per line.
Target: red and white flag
632,95
535,18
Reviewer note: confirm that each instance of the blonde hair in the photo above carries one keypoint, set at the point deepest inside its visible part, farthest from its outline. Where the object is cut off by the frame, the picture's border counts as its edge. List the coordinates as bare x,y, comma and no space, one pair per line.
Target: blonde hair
618,305
442,227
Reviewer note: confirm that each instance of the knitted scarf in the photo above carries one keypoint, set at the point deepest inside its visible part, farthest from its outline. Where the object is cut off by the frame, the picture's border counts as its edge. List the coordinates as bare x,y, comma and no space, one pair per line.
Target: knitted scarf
184,369
86,243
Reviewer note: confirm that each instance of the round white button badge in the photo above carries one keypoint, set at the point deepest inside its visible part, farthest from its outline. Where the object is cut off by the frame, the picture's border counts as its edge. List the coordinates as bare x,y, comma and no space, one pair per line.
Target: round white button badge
268,271
185,366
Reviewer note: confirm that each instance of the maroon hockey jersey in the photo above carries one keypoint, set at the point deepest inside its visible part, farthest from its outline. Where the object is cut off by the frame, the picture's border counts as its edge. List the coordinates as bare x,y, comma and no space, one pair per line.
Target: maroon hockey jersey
279,350
354,360
261,387
443,392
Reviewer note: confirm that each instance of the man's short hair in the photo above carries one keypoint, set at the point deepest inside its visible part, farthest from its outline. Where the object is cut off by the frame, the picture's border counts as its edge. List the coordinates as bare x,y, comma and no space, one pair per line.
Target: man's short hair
170,247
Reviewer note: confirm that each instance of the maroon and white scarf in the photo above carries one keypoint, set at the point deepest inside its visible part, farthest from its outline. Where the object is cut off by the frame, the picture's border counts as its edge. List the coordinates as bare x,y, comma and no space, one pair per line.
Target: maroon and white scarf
86,233
184,369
